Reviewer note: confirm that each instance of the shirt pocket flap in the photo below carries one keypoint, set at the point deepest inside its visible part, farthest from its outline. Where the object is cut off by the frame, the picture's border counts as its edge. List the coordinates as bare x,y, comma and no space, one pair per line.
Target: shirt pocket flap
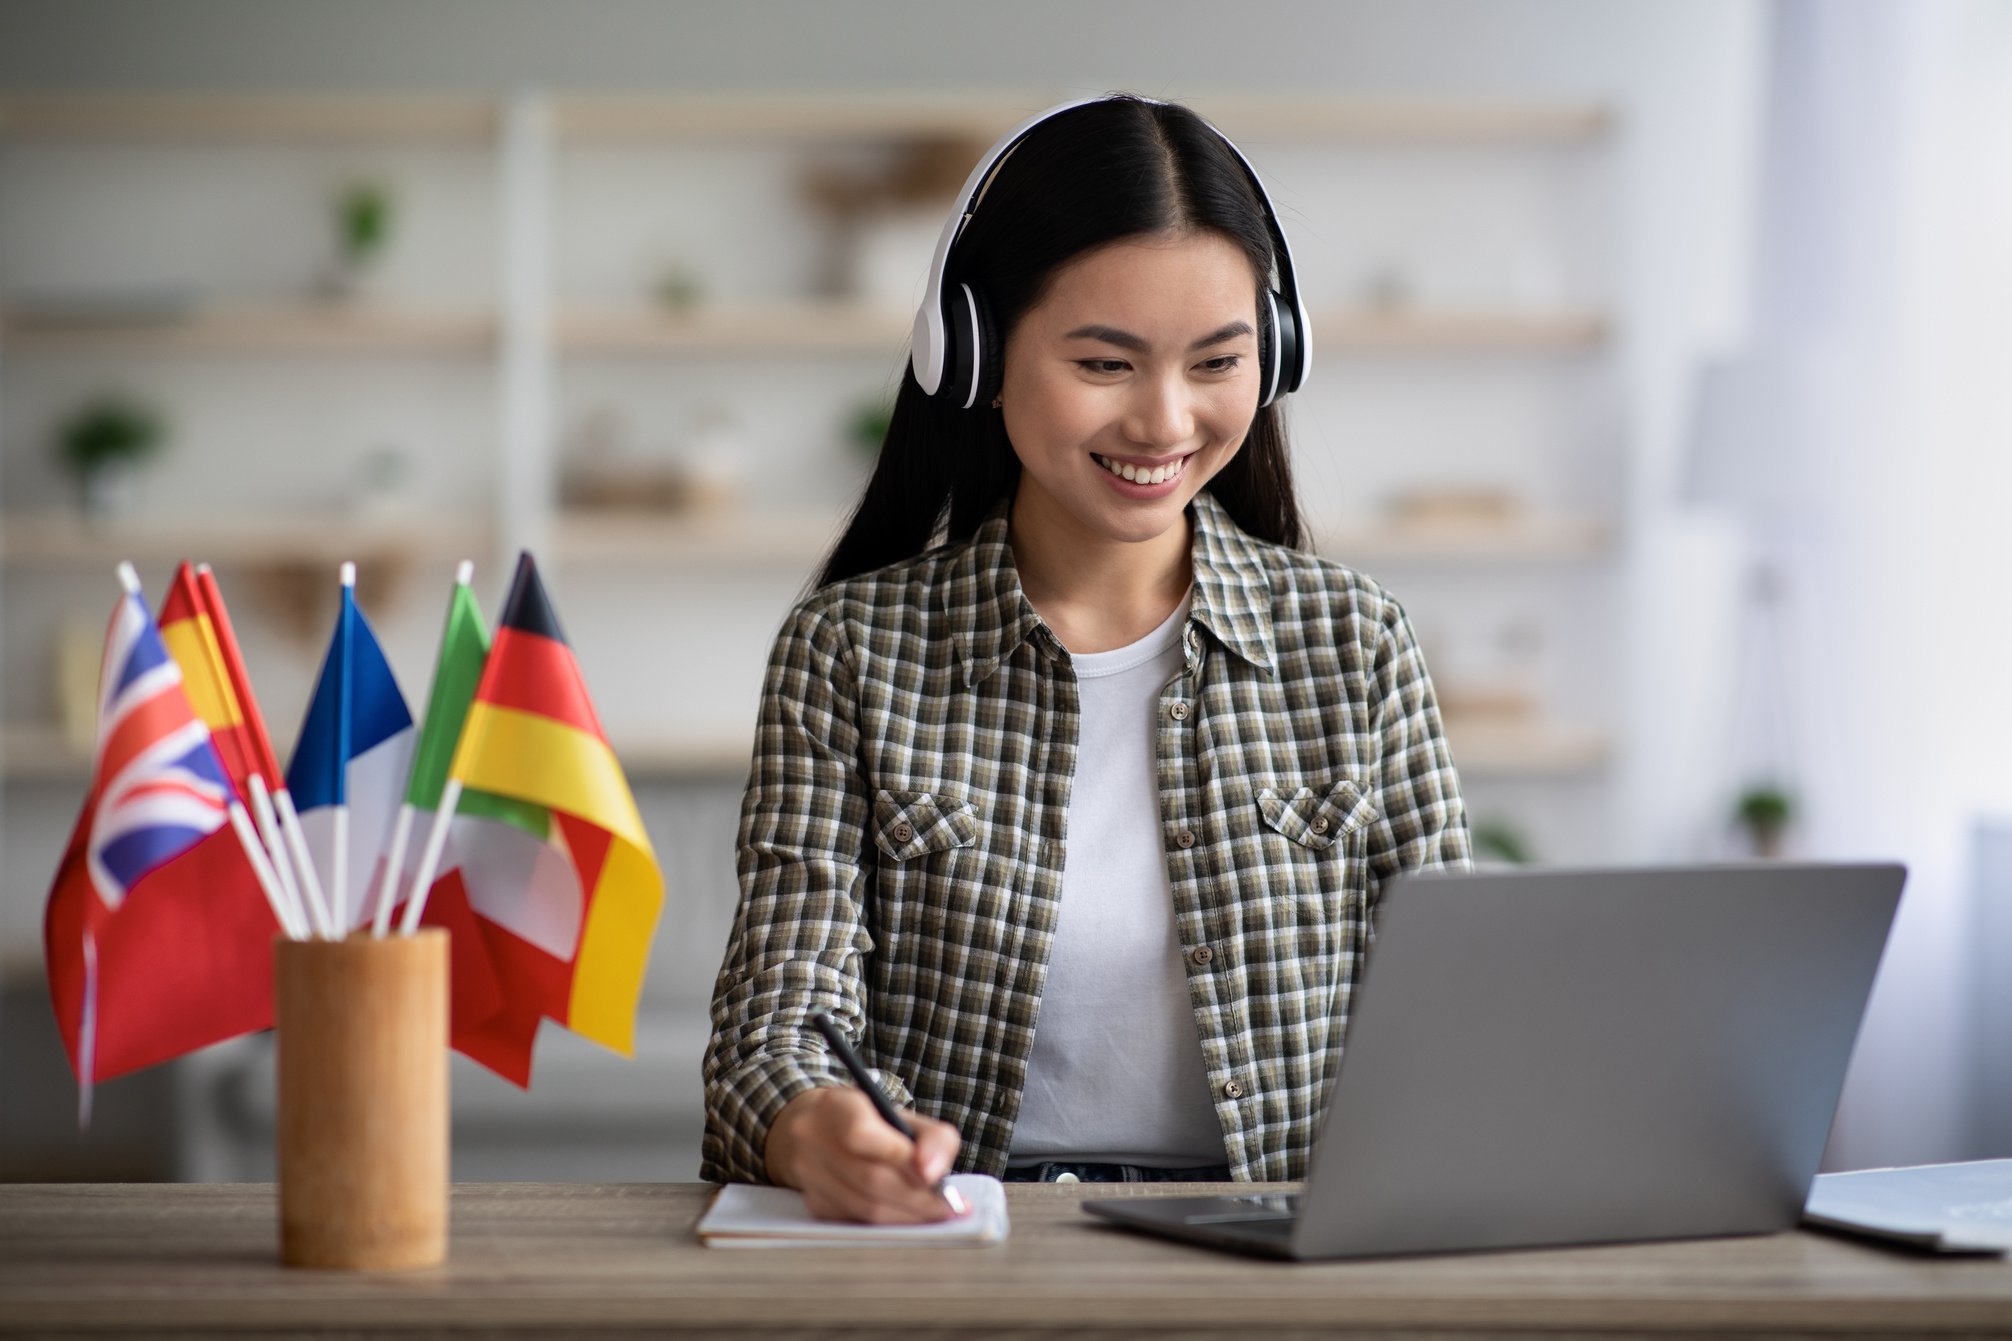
908,824
1313,819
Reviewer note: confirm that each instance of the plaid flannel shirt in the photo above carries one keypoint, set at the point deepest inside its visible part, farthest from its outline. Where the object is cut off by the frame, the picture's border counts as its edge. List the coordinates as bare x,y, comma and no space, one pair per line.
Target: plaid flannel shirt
901,838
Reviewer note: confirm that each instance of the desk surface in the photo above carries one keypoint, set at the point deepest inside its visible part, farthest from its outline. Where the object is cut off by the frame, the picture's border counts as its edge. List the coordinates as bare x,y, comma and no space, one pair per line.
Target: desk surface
576,1258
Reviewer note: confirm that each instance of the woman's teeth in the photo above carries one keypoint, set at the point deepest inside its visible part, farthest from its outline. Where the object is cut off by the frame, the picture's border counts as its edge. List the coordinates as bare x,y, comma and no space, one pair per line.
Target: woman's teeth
1130,472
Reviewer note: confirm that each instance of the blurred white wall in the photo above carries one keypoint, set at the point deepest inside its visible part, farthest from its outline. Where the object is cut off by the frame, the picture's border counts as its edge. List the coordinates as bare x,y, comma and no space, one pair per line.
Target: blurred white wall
1885,276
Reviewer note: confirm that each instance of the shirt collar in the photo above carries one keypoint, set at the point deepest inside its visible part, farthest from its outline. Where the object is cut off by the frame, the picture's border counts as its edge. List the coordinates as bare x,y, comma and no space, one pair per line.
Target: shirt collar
990,617
988,611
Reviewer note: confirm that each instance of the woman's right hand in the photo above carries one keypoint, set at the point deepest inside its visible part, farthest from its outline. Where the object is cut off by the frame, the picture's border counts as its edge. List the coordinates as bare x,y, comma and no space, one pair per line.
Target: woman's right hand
830,1144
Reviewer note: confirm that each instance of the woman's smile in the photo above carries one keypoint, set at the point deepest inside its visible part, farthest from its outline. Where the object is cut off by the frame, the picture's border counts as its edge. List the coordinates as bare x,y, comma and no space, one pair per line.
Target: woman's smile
1145,478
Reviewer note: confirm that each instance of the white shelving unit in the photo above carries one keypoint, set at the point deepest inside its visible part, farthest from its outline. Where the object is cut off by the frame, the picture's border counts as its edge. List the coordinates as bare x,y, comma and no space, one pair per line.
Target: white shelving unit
534,340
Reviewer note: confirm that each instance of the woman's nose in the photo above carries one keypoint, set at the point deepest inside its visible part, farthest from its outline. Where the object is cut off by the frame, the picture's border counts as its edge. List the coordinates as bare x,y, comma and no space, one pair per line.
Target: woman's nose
1161,413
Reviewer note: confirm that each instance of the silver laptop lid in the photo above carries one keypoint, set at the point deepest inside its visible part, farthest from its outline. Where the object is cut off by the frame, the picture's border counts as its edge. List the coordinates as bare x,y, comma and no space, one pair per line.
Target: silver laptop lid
1544,1056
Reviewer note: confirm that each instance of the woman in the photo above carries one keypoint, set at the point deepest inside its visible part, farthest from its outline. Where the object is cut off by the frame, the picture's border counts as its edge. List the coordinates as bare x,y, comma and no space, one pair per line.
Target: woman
1076,820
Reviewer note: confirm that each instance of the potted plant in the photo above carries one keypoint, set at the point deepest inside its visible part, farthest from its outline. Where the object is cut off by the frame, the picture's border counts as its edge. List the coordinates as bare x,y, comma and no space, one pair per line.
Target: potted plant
1764,812
1499,843
363,217
102,446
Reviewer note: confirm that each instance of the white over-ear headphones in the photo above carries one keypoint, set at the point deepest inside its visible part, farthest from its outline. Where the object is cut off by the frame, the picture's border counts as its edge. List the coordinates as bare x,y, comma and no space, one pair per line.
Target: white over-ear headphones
955,354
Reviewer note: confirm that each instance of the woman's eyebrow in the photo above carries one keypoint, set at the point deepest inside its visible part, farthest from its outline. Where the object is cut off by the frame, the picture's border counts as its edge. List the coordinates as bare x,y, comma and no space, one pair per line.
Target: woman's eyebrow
1111,335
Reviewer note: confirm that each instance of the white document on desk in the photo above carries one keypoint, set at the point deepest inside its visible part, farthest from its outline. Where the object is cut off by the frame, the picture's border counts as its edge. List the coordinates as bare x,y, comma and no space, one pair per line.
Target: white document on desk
1949,1208
746,1215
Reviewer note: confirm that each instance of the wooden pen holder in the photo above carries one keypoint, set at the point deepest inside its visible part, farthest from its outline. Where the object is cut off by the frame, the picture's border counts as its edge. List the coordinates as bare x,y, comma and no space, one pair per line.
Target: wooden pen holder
362,1101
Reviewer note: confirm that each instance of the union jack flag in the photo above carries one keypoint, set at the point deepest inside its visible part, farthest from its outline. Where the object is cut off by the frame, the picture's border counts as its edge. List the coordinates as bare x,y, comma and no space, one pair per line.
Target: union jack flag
158,786
158,933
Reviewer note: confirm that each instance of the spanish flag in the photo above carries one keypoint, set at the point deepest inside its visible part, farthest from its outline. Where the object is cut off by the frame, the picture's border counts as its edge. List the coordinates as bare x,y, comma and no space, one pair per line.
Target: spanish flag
573,944
196,630
199,637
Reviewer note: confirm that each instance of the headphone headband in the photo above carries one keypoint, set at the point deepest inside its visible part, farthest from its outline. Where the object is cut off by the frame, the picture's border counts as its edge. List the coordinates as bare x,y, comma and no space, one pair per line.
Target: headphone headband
942,323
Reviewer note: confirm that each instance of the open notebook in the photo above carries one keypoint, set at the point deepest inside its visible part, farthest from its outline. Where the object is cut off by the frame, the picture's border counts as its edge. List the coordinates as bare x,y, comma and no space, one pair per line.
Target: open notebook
745,1215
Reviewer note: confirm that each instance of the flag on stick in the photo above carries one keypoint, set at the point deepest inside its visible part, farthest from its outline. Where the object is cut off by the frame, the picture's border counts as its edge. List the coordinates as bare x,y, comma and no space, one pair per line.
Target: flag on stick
272,806
349,766
158,930
191,634
562,879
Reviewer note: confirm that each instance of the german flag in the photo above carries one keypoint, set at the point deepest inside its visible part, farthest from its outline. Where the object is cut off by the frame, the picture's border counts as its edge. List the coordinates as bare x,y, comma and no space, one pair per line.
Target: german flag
571,942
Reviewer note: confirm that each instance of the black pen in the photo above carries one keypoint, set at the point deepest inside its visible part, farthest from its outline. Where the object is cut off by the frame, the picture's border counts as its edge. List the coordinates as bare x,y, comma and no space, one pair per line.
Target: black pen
864,1079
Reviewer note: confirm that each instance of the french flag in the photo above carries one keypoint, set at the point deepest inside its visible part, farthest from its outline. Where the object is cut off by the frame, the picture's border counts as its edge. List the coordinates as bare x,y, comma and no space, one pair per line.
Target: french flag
348,770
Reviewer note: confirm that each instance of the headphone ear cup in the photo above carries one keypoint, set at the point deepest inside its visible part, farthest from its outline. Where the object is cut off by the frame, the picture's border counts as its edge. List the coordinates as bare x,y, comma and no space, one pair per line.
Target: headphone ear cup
989,364
1291,342
958,347
1268,365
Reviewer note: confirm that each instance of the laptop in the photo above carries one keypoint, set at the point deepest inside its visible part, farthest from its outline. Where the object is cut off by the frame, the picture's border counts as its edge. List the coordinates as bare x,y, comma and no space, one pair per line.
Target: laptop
1558,1057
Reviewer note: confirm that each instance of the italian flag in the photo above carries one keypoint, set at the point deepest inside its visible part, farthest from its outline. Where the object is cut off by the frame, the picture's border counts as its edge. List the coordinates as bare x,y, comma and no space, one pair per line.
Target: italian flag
545,877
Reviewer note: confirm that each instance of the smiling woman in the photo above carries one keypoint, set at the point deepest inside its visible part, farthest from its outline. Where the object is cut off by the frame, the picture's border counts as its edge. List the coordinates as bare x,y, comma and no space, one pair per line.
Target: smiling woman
1114,757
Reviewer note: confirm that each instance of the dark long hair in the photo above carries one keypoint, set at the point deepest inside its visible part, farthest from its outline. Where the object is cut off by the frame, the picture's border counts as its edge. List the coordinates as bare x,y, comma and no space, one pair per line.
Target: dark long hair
1117,168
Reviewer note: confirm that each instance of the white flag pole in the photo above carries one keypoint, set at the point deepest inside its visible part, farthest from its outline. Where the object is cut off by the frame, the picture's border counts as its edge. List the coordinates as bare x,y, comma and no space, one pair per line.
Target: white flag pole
261,866
429,860
310,879
387,888
443,811
275,846
338,889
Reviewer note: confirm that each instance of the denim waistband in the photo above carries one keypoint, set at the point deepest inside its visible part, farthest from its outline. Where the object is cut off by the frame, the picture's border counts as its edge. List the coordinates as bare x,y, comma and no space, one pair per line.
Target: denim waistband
1050,1171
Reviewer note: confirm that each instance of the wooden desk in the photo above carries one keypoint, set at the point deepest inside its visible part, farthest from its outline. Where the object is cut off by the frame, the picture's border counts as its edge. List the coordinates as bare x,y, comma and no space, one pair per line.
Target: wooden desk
577,1259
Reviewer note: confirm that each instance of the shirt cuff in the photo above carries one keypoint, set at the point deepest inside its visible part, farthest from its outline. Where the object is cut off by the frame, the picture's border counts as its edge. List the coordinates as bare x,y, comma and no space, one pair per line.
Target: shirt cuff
741,1106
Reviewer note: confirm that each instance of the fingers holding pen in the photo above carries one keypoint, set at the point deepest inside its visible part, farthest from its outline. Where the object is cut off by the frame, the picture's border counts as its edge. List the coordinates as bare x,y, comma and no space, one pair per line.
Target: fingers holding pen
934,1151
851,1165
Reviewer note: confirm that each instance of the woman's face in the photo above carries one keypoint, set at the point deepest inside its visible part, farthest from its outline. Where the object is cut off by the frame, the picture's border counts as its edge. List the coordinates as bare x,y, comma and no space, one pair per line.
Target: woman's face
1140,360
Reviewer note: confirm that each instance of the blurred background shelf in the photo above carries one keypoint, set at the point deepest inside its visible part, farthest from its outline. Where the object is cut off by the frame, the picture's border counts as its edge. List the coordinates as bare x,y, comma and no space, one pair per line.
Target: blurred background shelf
1454,330
278,540
801,326
1532,539
983,116
268,117
790,537
299,328
840,326
1525,750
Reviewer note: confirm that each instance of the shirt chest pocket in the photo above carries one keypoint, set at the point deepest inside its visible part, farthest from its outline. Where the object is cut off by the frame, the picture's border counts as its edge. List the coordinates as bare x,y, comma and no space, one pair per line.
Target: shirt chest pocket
932,892
1313,818
909,825
1315,868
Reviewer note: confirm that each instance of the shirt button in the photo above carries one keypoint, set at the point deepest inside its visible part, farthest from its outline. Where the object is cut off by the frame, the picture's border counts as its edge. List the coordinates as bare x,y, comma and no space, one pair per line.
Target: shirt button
1232,1090
1319,824
1178,711
1185,838
1066,1177
1200,956
904,832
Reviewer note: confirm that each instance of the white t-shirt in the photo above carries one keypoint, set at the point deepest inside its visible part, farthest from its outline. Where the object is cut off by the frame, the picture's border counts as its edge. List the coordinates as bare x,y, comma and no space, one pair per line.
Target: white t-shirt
1116,1073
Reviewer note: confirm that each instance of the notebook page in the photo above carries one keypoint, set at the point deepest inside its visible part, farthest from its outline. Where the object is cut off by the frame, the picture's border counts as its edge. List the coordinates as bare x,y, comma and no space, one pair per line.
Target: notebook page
745,1215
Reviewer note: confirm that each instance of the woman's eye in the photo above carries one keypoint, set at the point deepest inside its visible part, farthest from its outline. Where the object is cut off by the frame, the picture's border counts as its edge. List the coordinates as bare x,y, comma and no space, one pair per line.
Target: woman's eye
1105,366
1222,363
